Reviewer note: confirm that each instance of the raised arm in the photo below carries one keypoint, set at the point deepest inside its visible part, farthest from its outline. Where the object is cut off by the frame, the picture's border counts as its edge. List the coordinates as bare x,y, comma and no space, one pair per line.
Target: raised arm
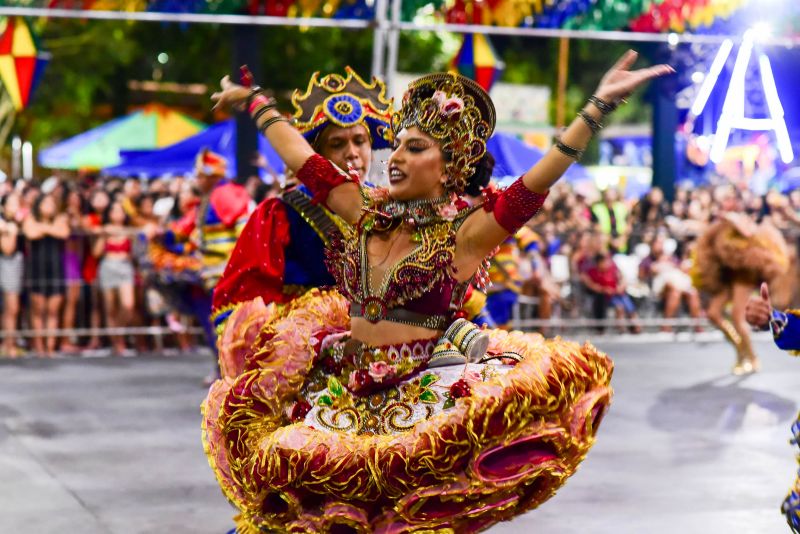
336,190
510,209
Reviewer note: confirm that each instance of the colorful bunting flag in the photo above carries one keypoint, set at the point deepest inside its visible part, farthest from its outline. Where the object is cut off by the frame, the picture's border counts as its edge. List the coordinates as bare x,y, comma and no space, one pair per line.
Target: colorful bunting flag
21,64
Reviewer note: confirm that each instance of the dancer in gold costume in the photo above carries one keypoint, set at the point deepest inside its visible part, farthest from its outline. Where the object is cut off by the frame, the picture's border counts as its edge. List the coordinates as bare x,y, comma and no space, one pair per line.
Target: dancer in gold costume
377,407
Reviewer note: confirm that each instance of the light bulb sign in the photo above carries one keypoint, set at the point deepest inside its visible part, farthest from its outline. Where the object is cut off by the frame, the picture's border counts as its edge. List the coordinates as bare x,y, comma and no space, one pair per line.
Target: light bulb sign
733,109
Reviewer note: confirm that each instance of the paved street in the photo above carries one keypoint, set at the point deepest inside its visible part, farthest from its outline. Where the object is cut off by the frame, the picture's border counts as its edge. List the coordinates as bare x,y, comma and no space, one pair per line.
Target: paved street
112,445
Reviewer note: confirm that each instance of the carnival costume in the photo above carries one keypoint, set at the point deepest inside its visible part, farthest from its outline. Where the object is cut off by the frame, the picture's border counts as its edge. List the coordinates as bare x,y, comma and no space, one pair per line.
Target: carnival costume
280,254
199,245
310,430
785,328
723,255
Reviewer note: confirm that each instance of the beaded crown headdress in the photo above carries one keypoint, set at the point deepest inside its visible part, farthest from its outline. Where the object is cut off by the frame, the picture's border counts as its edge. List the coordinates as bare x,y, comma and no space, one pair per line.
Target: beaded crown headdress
455,111
345,102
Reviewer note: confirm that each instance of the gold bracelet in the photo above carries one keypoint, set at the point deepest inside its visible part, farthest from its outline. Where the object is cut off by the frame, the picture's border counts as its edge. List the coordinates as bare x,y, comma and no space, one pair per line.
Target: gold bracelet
594,125
269,122
604,107
569,151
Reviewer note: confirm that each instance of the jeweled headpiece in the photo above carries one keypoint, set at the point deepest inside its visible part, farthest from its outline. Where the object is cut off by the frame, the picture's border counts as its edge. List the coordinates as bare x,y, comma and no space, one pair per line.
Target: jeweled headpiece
345,102
455,111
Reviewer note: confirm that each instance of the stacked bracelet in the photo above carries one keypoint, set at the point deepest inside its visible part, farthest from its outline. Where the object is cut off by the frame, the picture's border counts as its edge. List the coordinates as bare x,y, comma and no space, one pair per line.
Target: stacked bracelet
590,121
269,122
569,151
604,107
259,100
264,109
254,92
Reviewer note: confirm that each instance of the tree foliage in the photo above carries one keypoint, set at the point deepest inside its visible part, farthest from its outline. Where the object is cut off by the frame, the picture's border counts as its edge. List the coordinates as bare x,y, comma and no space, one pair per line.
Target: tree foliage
86,82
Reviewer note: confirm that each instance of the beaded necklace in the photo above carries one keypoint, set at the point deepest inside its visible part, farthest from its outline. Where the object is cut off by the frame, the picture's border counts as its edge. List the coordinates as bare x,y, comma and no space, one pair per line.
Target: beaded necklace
382,216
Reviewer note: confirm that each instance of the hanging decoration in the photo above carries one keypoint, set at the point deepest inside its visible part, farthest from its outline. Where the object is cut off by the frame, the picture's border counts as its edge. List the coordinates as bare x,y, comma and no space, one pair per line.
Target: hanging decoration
21,63
477,59
730,17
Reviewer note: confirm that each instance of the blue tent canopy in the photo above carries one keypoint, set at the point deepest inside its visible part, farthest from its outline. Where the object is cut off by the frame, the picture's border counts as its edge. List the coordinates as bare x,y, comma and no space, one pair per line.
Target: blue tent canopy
178,159
513,158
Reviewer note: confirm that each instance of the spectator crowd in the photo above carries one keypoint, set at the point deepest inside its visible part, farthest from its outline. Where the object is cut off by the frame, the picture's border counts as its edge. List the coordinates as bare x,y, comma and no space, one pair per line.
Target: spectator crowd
73,267
73,259
609,259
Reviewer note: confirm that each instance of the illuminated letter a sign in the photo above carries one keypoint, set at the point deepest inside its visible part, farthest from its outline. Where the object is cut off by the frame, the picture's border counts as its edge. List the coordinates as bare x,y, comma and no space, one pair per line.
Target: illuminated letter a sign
733,108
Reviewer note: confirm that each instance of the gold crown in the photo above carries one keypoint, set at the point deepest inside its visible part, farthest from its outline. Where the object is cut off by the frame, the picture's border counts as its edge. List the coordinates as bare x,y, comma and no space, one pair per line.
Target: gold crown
345,102
455,111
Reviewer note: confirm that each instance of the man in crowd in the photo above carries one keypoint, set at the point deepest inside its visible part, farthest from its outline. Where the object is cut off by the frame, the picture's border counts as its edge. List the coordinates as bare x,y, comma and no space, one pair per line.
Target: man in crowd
210,230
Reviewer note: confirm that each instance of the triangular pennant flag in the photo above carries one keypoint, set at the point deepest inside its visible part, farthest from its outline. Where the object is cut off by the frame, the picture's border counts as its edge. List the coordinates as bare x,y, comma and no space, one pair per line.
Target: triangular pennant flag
22,45
41,62
8,74
7,38
26,67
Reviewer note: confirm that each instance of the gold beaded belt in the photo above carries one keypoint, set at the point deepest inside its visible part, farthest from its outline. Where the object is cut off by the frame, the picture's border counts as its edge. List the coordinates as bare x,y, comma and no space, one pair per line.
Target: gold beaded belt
374,311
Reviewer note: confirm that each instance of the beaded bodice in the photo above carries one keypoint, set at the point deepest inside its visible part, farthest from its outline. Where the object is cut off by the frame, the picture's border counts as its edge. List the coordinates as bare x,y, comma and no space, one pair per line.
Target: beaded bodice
422,282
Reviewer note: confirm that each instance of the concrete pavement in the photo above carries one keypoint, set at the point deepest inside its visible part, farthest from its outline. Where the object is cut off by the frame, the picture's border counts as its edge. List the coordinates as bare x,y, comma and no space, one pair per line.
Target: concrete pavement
112,445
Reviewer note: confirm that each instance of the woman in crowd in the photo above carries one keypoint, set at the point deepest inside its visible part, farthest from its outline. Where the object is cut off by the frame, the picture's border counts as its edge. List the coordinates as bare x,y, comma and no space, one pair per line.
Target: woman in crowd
99,201
46,231
669,280
74,251
386,410
115,272
11,269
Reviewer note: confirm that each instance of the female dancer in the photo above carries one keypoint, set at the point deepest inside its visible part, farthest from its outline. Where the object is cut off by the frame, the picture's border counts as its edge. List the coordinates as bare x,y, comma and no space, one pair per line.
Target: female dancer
375,420
731,257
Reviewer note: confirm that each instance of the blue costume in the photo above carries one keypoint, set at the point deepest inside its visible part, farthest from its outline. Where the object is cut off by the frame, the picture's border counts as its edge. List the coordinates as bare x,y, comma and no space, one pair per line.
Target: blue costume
785,328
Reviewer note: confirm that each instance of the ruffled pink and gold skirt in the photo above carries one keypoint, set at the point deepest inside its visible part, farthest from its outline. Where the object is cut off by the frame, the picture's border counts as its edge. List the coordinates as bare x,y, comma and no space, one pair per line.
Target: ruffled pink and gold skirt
446,449
723,254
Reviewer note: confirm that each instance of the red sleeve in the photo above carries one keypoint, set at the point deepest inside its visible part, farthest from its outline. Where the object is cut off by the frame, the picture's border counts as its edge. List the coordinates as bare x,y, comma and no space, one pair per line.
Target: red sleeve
257,264
230,202
514,206
321,177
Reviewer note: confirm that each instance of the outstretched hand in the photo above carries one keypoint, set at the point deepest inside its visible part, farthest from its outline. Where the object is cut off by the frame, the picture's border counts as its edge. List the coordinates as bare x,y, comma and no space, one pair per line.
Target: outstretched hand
759,309
619,82
232,95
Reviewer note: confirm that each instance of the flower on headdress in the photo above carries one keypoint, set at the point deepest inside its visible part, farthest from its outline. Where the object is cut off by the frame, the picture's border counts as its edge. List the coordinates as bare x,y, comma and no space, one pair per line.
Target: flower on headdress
380,370
452,106
448,212
439,97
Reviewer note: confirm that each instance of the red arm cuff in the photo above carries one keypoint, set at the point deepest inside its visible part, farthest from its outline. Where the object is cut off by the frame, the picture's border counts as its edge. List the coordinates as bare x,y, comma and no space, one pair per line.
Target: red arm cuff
514,206
321,176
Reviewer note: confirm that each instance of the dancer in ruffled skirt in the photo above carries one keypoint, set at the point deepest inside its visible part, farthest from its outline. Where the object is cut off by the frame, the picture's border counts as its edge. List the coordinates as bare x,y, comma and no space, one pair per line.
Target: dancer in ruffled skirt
731,257
379,408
